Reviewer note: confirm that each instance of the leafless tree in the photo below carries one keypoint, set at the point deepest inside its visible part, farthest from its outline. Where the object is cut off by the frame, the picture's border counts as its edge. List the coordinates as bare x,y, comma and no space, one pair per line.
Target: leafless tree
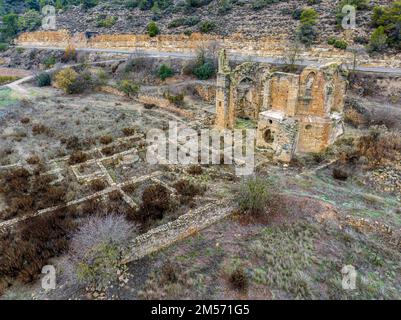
292,56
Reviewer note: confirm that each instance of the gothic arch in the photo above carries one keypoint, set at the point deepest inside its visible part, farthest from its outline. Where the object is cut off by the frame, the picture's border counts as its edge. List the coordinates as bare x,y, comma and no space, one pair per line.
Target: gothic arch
308,84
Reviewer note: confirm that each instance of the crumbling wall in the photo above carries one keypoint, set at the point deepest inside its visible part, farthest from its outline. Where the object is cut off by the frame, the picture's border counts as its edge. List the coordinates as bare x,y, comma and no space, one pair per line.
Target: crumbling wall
278,133
283,88
314,135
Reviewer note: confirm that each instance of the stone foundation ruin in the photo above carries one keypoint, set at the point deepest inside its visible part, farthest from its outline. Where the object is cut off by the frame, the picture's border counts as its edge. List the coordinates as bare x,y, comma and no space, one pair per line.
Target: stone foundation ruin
295,113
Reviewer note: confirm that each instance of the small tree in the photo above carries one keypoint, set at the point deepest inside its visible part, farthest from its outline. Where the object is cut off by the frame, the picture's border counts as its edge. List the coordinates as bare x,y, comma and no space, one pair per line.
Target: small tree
153,29
307,32
292,56
10,22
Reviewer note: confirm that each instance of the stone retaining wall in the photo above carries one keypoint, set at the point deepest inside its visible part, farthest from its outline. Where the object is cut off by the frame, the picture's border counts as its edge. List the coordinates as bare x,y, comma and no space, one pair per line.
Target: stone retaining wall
235,44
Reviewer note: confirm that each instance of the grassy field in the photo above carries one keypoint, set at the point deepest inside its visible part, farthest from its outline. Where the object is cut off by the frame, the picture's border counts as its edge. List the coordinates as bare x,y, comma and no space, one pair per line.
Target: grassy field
7,98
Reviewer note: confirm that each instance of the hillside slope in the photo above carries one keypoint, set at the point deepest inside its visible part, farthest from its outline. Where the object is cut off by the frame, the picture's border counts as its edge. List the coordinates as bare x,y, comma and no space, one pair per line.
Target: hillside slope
227,16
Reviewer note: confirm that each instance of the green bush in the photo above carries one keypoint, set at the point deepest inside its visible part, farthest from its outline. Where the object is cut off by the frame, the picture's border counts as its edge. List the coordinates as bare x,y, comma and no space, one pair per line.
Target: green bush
253,195
260,4
204,71
337,43
153,29
378,40
43,79
3,47
165,72
331,41
224,6
340,44
189,22
197,3
308,16
129,87
106,22
296,14
207,26
131,4
49,62
174,99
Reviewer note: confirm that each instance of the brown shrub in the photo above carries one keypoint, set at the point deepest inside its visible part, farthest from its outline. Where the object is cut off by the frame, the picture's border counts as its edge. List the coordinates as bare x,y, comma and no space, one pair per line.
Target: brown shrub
78,157
130,188
340,173
195,170
89,207
16,180
39,129
129,131
106,139
187,189
354,118
156,200
115,195
149,106
98,185
379,145
38,240
52,196
22,203
239,279
73,143
108,151
34,159
169,272
386,117
25,120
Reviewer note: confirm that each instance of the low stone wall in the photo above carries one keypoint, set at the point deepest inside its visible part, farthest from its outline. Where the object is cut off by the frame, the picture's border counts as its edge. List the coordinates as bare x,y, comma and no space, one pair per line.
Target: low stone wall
163,104
150,100
185,226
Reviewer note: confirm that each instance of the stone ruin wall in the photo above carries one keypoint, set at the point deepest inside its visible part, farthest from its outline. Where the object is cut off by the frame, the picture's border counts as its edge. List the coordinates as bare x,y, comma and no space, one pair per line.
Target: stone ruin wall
235,44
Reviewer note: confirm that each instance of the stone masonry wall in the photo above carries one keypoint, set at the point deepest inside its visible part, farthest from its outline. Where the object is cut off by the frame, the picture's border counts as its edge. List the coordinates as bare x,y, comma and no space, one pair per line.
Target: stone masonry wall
267,46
